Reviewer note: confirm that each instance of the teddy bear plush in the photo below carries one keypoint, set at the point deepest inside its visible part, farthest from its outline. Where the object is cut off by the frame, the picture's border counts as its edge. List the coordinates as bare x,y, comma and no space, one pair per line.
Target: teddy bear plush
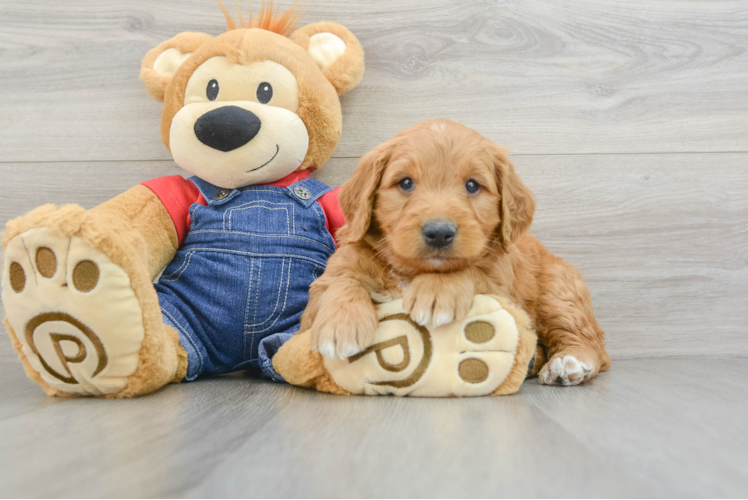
250,113
489,352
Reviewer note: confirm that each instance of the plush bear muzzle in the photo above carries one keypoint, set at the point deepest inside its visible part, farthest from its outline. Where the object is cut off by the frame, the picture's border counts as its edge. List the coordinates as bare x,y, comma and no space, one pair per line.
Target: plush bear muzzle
227,128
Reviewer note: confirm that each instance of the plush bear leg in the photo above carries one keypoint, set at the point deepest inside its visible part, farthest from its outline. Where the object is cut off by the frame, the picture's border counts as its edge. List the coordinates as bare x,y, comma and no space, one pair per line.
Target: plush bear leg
485,353
81,308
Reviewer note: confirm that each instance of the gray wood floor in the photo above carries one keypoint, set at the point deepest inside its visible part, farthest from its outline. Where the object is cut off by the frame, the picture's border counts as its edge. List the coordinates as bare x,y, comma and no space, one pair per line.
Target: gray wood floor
628,119
665,427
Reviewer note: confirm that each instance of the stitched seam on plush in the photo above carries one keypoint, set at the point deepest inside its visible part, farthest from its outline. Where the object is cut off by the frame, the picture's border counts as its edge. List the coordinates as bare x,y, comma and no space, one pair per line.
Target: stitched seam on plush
301,238
277,301
246,309
189,337
285,301
279,255
256,202
323,219
181,269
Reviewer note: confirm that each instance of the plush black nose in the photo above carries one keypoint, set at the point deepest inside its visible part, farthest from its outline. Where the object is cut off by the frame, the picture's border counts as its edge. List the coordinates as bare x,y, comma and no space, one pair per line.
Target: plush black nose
439,233
227,128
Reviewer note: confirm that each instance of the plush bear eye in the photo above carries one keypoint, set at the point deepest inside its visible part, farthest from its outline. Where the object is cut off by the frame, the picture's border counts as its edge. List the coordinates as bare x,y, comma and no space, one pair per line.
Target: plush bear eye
212,90
407,184
472,187
264,92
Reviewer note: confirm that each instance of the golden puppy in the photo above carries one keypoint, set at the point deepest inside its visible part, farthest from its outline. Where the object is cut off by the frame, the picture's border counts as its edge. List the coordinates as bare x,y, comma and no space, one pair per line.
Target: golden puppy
437,215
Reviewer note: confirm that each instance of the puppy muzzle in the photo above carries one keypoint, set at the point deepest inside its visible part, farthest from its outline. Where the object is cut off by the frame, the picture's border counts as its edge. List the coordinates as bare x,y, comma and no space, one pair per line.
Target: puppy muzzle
439,233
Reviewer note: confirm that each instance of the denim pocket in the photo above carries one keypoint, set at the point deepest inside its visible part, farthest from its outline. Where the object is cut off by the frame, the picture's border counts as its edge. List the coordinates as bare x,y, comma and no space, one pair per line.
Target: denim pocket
177,267
261,217
267,297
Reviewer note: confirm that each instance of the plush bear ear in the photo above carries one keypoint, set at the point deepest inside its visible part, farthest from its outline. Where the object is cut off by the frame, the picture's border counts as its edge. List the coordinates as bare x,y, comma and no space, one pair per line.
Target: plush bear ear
160,63
336,51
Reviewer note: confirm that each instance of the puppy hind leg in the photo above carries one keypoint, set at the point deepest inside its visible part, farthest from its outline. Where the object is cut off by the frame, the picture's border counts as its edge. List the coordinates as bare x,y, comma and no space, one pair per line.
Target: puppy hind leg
567,325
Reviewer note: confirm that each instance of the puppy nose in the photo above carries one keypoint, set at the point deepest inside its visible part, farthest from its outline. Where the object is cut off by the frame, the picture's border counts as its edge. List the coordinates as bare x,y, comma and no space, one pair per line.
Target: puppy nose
227,128
439,233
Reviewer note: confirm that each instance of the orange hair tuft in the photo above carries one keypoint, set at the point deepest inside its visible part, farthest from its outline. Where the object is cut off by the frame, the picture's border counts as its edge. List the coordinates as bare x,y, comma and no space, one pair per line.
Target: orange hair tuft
283,23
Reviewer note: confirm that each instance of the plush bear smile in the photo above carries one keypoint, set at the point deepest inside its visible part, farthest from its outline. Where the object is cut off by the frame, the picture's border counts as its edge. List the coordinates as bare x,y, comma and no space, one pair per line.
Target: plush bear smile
277,149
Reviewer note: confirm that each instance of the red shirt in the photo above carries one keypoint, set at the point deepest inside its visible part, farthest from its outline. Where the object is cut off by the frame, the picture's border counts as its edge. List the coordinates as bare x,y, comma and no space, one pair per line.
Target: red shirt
178,195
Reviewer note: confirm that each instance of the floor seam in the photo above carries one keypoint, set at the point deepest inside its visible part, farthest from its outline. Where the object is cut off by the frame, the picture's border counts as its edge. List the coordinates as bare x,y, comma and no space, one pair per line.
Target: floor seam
346,157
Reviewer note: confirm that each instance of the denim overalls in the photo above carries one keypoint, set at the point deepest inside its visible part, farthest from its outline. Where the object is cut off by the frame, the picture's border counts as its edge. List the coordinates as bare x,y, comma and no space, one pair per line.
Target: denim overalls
237,286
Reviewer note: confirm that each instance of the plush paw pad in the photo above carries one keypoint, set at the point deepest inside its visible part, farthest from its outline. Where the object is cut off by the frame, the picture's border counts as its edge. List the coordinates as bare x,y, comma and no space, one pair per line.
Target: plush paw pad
471,357
73,310
566,370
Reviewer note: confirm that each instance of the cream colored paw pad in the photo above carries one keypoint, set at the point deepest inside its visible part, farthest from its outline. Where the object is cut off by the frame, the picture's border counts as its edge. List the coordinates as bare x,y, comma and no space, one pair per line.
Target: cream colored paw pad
73,310
471,357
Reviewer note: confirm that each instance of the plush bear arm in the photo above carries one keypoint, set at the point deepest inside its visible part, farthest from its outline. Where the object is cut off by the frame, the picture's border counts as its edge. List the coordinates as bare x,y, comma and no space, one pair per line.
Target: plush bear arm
144,211
334,218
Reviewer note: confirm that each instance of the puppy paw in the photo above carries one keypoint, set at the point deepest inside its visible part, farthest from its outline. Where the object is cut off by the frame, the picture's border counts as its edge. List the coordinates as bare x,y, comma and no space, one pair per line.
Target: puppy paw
344,330
565,370
436,300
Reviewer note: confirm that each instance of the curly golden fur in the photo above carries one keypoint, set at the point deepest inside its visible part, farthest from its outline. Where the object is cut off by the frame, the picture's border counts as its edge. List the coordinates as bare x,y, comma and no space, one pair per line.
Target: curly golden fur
384,253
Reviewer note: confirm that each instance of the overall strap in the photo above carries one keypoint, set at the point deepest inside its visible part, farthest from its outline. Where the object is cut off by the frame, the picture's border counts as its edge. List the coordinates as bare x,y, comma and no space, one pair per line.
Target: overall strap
307,191
213,194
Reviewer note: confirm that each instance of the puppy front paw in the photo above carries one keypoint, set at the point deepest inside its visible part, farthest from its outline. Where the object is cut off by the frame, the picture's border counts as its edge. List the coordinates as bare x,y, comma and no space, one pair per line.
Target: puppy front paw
344,329
437,300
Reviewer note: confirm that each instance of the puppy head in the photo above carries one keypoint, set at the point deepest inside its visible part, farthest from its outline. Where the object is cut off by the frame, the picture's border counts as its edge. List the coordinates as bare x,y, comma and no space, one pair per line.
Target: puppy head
435,198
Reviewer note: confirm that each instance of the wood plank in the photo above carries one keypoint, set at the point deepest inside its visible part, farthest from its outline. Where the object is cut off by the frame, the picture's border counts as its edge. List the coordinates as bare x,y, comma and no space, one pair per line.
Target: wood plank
19,394
654,402
231,437
544,76
682,438
661,240
25,186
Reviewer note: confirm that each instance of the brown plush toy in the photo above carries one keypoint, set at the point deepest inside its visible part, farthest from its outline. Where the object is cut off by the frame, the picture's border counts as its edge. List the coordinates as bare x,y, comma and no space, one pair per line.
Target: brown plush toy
250,113
488,353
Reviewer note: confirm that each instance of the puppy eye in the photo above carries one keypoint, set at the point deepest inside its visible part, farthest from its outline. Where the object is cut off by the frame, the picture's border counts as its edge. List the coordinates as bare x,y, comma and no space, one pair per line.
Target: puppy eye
212,90
472,187
264,92
407,184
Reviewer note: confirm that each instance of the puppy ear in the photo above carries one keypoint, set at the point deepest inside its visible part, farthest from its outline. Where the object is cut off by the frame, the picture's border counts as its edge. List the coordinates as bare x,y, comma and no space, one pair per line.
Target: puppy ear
357,195
336,51
160,63
517,204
